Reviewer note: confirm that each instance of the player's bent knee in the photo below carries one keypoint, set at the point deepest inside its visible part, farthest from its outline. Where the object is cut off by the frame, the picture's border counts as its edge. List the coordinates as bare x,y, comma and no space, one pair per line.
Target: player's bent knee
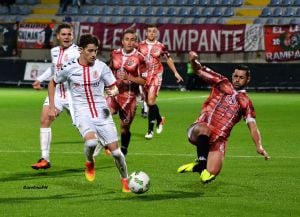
91,142
117,153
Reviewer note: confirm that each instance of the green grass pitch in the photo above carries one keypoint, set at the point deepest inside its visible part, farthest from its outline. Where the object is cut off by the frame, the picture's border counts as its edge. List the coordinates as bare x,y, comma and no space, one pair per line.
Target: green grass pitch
247,186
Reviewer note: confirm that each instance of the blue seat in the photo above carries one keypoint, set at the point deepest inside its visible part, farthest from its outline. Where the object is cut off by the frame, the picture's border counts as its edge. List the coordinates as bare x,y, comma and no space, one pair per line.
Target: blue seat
137,2
114,20
226,2
171,2
116,11
287,2
32,2
84,10
181,3
258,21
297,14
78,19
204,3
184,20
277,12
209,20
266,12
15,10
172,11
289,12
125,2
126,20
229,12
197,21
138,11
114,2
221,20
72,10
192,2
217,12
195,12
206,12
283,21
107,10
162,20
297,3
215,2
149,20
183,12
294,21
137,20
128,11
95,10
159,2
25,10
270,21
91,19
160,11
149,11
103,19
237,3
274,3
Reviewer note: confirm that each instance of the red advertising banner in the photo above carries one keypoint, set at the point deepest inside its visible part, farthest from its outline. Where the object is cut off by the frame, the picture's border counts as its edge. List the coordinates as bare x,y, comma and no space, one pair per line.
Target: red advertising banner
282,43
177,37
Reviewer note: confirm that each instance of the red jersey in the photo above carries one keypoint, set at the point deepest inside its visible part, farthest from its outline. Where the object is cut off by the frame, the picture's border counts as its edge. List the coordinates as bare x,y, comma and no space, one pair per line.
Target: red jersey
133,64
153,52
225,106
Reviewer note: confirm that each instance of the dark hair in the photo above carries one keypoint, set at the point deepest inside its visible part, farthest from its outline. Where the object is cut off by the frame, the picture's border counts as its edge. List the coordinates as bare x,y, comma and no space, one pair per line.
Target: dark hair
244,68
129,30
151,26
88,39
63,26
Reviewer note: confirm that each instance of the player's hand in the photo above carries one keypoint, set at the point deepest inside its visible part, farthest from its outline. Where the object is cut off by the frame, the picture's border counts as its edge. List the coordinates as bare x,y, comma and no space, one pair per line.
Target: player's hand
52,113
113,91
37,85
178,77
260,150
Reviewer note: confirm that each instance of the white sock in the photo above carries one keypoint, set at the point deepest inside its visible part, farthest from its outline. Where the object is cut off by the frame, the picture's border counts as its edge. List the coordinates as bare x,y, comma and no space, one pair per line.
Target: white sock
45,141
89,148
145,106
120,162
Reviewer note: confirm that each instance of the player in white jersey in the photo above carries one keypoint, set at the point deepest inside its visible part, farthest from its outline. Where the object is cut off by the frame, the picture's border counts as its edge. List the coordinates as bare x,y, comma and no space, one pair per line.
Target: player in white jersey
61,54
87,78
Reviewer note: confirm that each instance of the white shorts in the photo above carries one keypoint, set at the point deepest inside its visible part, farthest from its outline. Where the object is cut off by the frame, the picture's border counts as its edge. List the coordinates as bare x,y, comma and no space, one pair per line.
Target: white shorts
60,103
106,132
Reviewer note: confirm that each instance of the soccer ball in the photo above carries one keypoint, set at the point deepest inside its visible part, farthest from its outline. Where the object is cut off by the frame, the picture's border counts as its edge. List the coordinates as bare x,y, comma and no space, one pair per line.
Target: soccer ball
139,182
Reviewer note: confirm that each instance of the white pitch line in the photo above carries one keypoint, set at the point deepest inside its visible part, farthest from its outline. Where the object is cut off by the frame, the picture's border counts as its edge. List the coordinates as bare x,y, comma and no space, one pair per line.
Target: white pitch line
154,154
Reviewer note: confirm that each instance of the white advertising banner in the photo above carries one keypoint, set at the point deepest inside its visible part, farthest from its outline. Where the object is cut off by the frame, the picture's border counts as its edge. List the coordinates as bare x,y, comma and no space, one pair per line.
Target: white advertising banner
35,69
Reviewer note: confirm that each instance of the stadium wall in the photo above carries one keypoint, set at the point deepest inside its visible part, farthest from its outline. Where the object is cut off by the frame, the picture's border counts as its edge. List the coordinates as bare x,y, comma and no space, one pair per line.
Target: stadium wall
265,76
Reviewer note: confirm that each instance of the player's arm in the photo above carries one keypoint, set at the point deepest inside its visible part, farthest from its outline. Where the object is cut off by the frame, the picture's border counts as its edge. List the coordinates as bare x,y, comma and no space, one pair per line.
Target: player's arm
256,137
51,92
46,75
171,64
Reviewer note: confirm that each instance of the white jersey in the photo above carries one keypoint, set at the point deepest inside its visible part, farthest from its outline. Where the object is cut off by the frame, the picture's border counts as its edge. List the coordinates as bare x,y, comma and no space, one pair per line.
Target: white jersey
87,85
59,57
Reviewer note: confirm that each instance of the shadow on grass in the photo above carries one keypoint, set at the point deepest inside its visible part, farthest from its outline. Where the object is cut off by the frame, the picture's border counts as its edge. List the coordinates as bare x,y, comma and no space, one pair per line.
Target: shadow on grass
10,200
47,174
168,195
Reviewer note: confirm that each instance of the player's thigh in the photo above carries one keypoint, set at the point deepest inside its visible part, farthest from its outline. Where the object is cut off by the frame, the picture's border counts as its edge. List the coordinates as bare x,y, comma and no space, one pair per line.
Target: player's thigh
107,133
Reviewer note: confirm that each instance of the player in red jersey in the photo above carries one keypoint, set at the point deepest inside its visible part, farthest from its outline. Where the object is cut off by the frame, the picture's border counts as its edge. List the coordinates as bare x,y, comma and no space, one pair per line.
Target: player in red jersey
129,68
226,105
153,50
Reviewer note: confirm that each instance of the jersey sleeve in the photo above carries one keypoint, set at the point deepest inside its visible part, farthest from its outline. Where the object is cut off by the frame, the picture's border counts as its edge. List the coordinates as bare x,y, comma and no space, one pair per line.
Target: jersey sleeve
108,77
247,106
46,75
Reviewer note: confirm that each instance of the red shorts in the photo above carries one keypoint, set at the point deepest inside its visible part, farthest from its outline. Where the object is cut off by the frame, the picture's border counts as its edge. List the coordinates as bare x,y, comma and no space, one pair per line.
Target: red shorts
125,105
216,142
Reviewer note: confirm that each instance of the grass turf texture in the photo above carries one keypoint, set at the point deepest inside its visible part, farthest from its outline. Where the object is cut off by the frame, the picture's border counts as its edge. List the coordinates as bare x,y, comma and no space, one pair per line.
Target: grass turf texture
247,186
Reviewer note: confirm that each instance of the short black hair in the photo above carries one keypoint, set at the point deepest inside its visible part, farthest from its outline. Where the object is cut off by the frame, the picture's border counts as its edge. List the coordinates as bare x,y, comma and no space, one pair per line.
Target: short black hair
63,26
88,39
244,68
151,25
